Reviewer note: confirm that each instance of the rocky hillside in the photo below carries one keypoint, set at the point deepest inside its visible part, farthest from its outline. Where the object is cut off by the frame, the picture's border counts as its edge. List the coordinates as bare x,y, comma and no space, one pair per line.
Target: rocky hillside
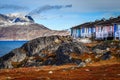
60,50
27,32
52,50
19,27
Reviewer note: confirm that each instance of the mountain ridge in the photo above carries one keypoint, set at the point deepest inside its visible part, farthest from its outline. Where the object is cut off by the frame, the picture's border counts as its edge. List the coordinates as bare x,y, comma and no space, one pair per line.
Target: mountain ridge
24,28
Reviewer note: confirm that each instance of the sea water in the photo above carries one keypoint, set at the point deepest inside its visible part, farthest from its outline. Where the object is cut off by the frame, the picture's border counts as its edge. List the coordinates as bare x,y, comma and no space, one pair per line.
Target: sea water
7,46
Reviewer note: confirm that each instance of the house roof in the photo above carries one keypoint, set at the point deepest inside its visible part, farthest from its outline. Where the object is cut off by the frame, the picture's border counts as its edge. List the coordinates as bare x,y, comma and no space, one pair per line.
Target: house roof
117,20
87,24
81,25
107,22
102,22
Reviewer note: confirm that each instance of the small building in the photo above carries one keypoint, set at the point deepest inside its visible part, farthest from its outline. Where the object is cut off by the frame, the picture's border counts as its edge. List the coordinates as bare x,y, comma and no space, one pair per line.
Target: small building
117,28
74,32
86,30
81,31
104,29
100,29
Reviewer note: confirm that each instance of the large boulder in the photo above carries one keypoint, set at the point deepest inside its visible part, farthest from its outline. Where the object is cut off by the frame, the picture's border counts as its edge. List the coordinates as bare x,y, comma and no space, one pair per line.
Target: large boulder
107,44
52,50
63,53
106,50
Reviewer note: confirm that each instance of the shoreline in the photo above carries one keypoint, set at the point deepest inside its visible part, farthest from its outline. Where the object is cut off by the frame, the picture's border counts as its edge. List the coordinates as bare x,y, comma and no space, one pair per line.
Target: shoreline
14,40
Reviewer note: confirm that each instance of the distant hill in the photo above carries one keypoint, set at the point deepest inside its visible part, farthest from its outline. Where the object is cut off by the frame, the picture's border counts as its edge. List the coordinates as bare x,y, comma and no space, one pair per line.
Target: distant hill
19,27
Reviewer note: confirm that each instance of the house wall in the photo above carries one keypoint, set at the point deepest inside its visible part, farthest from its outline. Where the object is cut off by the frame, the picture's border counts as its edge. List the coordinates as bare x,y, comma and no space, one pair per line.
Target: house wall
110,31
76,32
85,32
73,33
99,32
104,32
82,32
91,31
117,31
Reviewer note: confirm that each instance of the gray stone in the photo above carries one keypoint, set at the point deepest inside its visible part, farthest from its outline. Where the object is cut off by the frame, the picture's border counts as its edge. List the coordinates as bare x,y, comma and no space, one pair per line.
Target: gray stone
82,64
52,50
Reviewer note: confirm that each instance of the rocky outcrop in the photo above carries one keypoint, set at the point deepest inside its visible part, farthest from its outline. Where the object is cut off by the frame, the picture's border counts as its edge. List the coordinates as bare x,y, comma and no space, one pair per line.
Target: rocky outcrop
52,50
107,44
59,50
106,49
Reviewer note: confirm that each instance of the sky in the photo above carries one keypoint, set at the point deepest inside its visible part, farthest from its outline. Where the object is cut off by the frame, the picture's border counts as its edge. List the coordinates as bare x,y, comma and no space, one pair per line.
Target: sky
62,14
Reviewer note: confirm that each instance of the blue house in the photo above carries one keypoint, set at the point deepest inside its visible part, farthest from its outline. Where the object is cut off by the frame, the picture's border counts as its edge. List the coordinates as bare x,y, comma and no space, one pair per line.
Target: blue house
86,30
117,28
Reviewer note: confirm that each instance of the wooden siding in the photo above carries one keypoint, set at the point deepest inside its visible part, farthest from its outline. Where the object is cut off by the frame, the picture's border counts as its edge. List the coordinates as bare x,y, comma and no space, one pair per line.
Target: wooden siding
117,31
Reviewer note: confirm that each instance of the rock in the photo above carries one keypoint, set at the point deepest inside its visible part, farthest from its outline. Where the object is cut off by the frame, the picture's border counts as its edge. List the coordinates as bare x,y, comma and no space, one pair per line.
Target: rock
43,43
72,47
108,49
77,61
8,78
37,70
105,49
88,60
52,50
98,56
64,51
50,72
87,70
98,51
107,45
57,41
118,74
12,59
84,40
73,68
102,46
82,64
106,55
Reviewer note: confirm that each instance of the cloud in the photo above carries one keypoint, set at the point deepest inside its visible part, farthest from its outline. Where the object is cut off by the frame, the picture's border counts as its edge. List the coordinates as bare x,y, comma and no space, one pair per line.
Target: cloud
69,6
46,8
12,7
95,5
49,17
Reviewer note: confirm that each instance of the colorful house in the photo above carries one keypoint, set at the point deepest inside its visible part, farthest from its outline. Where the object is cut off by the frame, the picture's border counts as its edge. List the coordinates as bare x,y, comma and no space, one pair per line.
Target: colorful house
101,29
81,31
74,32
86,30
117,28
104,29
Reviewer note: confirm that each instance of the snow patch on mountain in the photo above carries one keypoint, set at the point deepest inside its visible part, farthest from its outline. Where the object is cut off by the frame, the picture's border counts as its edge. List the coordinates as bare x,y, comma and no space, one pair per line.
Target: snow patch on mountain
15,19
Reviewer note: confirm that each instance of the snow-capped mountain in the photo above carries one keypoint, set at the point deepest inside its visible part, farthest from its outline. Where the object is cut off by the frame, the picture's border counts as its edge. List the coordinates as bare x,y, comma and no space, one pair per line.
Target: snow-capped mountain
18,19
3,19
23,27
